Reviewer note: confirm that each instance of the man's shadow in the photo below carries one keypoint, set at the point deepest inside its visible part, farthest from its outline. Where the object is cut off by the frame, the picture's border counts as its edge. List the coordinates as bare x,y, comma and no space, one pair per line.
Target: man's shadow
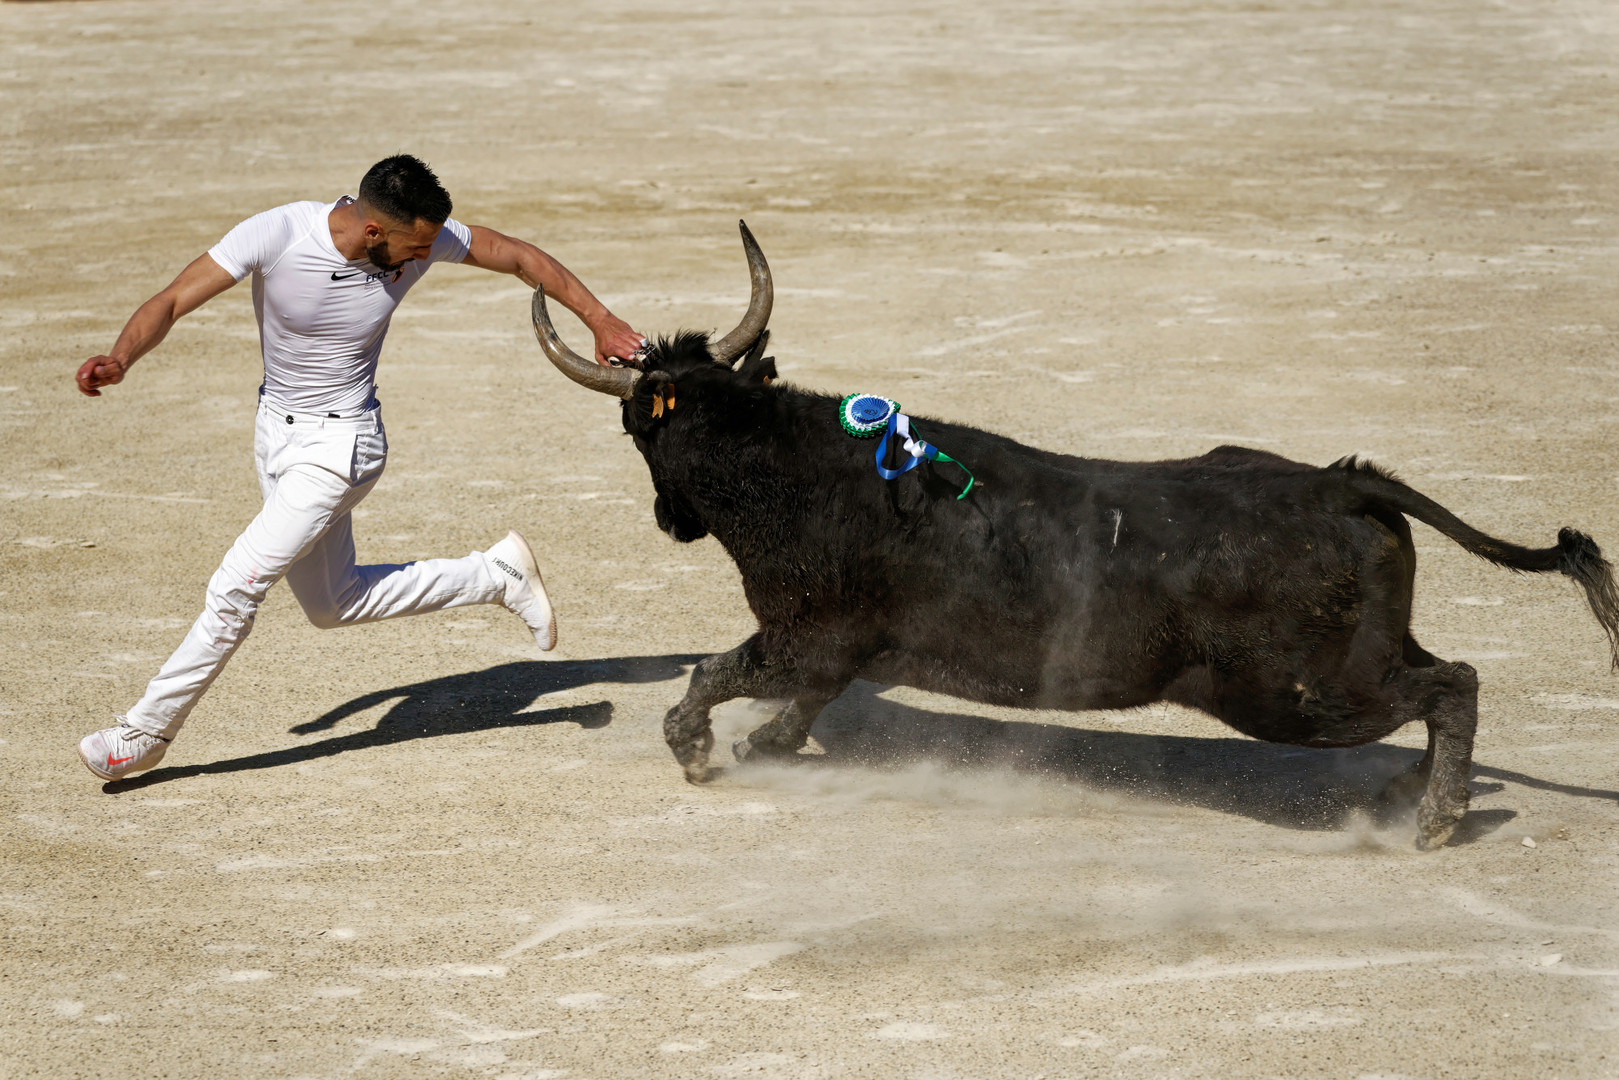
1288,786
497,697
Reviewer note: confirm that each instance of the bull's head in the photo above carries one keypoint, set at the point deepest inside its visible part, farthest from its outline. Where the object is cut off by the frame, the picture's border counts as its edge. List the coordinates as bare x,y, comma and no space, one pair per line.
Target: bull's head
651,390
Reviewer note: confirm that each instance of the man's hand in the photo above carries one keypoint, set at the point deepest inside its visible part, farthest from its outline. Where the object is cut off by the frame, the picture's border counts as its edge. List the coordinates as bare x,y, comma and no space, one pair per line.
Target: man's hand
507,255
99,371
616,339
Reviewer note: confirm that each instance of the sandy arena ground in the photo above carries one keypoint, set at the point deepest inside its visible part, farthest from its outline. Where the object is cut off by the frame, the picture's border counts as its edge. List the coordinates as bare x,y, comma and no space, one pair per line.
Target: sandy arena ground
1111,228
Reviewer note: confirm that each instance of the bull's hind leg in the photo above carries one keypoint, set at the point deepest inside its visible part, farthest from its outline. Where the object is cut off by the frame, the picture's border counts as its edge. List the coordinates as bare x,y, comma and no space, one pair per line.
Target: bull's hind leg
1361,709
745,671
1408,786
1445,697
1452,720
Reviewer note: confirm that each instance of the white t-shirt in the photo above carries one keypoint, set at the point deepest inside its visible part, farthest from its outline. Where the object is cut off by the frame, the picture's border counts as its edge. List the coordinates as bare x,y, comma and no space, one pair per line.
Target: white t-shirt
321,317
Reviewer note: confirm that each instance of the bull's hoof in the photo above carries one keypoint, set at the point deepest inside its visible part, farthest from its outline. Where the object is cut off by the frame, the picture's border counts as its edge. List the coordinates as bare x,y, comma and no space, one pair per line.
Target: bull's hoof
1427,841
1434,827
747,750
692,754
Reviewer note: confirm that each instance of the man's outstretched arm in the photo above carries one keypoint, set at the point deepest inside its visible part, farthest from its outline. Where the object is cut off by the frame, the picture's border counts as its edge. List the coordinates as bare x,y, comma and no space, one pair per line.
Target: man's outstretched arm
198,283
507,255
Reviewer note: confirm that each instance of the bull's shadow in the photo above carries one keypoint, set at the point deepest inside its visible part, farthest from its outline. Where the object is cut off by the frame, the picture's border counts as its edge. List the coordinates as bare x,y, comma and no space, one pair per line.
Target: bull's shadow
1288,786
497,697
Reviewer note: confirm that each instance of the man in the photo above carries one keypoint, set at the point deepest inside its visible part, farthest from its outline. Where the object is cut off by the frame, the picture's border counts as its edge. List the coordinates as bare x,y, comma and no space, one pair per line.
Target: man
326,279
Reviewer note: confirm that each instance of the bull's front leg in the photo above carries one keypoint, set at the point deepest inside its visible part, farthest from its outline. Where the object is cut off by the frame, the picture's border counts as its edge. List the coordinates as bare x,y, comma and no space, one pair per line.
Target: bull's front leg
745,671
784,735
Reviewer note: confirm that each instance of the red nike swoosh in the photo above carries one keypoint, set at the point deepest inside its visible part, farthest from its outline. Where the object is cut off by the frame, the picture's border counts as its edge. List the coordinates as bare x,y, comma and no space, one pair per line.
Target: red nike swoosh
114,762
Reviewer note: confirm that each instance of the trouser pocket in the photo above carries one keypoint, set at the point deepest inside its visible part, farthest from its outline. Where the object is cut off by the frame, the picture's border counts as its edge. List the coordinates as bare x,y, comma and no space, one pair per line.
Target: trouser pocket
370,455
326,448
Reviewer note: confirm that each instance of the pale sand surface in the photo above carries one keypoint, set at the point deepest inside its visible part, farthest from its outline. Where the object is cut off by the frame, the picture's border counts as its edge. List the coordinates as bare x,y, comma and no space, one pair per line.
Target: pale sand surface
1119,229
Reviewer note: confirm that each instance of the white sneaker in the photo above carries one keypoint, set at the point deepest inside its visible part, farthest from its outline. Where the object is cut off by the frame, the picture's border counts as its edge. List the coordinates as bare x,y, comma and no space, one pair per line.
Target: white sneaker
113,753
512,561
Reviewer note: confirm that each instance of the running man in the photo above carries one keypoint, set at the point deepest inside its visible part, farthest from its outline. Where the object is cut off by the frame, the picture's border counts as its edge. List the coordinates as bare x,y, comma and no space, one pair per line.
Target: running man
326,280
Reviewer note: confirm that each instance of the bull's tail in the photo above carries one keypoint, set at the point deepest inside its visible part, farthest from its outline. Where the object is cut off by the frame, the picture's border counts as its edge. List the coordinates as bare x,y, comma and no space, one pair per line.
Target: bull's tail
1576,555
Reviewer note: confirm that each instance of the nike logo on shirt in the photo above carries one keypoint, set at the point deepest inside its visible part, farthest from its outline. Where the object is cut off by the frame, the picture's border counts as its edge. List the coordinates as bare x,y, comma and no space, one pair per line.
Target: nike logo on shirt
344,277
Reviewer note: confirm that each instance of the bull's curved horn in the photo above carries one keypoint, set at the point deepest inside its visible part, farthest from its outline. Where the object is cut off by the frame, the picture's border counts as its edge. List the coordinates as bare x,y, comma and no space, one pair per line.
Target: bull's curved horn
620,382
734,344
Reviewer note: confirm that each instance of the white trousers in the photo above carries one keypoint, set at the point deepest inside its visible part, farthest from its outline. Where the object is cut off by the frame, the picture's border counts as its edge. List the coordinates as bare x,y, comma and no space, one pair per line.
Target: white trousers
313,471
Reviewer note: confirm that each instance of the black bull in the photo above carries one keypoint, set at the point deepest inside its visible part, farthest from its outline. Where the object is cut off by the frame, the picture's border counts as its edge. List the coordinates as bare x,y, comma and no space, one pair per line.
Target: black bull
1271,594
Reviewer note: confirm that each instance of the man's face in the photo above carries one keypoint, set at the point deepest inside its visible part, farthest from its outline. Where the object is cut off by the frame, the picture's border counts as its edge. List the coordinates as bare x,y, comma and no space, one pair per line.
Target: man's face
391,244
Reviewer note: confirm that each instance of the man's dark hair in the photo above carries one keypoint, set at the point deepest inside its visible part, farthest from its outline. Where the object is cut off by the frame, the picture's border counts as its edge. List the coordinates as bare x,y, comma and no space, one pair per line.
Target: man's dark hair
403,188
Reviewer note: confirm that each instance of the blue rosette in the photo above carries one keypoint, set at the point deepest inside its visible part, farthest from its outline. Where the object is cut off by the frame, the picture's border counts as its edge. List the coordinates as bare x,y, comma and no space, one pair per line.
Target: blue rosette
866,415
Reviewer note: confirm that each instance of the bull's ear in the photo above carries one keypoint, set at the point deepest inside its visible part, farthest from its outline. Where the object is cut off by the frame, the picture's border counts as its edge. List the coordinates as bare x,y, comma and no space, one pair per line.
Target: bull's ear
756,350
654,396
764,371
757,367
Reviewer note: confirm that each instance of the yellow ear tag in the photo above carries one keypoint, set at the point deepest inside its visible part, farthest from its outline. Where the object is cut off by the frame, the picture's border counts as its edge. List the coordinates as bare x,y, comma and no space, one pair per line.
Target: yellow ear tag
657,406
670,397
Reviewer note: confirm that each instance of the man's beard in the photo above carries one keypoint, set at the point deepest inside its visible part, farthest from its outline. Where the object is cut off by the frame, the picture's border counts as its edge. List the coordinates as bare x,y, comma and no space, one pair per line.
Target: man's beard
378,253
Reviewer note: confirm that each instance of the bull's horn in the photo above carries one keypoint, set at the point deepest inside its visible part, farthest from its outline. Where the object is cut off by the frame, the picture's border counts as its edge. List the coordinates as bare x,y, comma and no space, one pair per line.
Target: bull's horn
620,382
737,342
